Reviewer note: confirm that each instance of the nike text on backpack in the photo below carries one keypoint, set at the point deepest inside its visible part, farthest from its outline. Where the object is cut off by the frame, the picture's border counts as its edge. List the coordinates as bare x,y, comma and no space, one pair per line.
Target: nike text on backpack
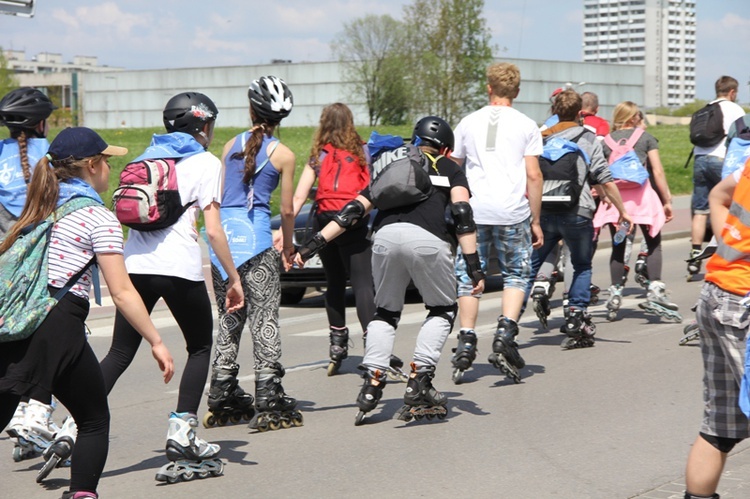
559,165
399,177
624,164
25,300
147,198
340,179
707,126
738,150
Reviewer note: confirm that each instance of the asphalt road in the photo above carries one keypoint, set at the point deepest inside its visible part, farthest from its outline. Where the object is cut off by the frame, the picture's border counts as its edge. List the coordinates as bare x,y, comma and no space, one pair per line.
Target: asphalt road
613,421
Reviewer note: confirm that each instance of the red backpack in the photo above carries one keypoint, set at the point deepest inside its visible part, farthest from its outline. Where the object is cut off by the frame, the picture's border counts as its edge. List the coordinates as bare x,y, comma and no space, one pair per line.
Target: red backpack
340,178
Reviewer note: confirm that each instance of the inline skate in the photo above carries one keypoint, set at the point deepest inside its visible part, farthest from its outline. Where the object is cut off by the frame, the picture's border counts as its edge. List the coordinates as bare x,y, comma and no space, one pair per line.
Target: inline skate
421,399
370,394
36,433
658,303
190,457
226,400
338,349
541,294
641,270
626,271
689,333
57,455
614,302
594,290
505,354
464,354
580,330
274,409
693,263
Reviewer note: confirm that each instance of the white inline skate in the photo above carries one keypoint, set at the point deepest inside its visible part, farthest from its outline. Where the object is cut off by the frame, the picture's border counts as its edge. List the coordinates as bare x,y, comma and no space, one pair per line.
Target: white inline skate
190,456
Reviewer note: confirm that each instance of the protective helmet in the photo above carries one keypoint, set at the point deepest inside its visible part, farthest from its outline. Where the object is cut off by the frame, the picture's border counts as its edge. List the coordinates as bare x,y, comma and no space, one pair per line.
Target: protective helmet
270,98
25,108
188,112
435,131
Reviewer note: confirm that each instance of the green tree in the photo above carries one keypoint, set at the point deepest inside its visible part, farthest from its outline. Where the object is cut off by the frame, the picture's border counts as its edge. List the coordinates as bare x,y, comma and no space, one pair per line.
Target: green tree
450,49
8,80
368,49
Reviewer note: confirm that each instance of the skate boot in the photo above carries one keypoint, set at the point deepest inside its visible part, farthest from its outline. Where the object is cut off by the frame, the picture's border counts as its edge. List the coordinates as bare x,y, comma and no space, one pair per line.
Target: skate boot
339,349
626,271
580,330
541,294
505,354
693,263
58,454
226,400
690,333
594,290
370,394
190,456
658,303
274,408
421,399
36,433
641,270
464,354
614,301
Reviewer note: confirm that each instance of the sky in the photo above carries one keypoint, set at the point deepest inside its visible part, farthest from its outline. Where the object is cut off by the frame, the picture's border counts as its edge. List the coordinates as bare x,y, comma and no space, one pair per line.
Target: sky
155,34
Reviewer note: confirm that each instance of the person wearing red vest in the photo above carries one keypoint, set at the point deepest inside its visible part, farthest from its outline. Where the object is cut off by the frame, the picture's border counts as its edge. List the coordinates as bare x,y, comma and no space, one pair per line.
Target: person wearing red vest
723,319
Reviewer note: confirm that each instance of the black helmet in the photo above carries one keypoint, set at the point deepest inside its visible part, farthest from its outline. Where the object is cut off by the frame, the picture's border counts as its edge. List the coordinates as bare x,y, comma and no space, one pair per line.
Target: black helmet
270,98
188,112
25,108
435,131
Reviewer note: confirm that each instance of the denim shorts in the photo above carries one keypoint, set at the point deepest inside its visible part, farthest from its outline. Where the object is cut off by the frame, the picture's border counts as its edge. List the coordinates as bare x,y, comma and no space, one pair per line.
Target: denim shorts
513,246
706,174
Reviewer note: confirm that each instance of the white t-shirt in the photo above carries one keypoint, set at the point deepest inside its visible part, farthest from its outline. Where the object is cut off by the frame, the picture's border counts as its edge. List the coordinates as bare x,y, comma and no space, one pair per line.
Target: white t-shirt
174,251
730,112
494,140
72,240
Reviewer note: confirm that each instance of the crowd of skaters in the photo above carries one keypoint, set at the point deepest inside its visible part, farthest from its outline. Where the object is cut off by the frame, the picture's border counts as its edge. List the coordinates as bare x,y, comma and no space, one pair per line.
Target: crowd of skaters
493,190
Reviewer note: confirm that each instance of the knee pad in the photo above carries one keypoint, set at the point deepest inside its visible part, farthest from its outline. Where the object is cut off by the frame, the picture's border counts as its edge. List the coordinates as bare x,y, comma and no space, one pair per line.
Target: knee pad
722,444
447,312
390,318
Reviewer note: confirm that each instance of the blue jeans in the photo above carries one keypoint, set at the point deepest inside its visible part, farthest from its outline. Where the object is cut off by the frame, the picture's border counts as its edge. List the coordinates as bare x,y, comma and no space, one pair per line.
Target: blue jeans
578,234
706,174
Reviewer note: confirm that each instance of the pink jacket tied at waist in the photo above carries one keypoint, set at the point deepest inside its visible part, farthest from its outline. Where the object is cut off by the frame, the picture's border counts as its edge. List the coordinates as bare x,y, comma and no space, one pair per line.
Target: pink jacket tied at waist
642,204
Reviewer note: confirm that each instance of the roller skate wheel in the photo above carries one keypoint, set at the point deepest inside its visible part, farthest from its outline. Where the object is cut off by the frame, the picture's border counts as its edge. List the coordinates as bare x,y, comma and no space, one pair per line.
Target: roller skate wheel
188,475
235,418
274,423
286,422
297,419
209,421
458,375
333,368
611,315
359,419
262,426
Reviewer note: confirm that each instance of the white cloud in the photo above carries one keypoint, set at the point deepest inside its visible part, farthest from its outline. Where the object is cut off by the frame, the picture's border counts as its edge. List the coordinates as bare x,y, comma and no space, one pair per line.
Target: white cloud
105,16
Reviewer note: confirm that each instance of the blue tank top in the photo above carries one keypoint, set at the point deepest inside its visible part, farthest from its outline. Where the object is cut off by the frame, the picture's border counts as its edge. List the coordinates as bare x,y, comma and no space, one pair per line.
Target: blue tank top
265,182
12,184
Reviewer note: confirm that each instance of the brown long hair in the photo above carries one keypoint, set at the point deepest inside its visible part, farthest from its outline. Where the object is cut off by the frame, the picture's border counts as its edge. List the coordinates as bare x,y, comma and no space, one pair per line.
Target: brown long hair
21,137
337,128
43,191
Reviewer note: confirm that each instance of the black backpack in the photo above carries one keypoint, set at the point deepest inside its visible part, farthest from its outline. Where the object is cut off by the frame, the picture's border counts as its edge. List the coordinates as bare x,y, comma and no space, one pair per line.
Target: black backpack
707,126
562,186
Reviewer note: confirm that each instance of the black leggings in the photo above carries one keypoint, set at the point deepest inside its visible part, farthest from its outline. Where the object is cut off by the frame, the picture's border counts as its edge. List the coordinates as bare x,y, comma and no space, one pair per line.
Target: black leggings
191,307
349,255
653,260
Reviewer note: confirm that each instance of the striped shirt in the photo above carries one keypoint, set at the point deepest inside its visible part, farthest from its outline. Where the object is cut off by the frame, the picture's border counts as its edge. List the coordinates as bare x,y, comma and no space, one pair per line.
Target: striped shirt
74,238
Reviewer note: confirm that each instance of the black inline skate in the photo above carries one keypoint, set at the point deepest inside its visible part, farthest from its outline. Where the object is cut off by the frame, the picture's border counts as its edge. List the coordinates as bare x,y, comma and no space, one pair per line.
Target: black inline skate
690,333
505,354
274,408
339,348
190,457
541,295
227,402
580,330
57,455
464,354
370,394
421,399
641,270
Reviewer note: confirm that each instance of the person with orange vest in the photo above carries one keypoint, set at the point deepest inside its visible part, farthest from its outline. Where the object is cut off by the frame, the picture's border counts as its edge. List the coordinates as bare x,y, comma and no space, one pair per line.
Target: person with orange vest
723,317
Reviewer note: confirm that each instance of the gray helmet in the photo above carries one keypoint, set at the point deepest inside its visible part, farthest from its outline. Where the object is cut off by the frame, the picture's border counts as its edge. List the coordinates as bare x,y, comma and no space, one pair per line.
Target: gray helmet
435,131
270,98
188,112
24,108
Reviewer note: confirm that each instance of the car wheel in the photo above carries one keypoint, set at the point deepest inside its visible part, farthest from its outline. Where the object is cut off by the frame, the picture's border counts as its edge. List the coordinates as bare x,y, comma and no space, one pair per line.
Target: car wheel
292,296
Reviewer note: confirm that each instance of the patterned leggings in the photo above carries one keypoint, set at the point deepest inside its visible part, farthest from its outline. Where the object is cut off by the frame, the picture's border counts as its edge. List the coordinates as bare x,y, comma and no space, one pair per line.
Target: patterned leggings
260,282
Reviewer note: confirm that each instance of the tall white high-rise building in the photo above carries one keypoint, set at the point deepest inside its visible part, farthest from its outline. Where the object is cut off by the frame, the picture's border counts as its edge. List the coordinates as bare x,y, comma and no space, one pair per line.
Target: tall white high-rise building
658,34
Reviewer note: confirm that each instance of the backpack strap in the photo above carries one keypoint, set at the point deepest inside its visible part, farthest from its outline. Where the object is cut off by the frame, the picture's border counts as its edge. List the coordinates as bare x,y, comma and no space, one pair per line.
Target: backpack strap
630,143
434,160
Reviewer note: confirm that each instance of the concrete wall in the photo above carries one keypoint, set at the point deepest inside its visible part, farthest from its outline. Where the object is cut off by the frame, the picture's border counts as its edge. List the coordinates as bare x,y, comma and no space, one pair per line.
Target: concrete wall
136,98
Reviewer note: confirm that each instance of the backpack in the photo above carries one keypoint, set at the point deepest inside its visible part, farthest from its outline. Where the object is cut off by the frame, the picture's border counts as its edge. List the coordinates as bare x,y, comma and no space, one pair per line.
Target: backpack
400,175
147,198
341,177
25,300
624,164
707,126
559,165
738,150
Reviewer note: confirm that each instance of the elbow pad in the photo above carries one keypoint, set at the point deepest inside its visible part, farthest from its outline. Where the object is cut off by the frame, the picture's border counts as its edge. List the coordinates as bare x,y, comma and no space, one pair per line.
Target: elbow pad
350,214
311,247
463,217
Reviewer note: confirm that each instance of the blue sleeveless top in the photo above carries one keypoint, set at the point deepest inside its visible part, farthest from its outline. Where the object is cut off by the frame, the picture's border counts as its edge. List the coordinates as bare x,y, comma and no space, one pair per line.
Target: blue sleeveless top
12,184
248,231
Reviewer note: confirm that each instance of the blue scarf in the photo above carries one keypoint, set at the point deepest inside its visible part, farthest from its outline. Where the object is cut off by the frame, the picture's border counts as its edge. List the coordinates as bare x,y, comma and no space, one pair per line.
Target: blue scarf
171,145
76,187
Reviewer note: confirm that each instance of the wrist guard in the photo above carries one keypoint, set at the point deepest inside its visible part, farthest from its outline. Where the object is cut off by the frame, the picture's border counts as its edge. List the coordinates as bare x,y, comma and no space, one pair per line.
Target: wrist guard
350,214
474,267
463,217
311,247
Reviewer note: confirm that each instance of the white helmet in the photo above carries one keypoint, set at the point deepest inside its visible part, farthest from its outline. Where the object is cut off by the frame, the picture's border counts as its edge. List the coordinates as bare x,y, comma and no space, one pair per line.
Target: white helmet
270,98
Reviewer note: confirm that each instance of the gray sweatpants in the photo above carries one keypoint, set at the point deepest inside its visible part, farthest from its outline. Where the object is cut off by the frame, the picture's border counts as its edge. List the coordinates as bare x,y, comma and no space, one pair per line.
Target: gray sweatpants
402,252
